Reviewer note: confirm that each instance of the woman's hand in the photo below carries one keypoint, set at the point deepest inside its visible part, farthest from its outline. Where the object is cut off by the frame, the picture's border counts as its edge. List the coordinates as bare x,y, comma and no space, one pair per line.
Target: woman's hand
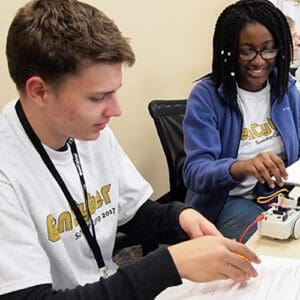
263,166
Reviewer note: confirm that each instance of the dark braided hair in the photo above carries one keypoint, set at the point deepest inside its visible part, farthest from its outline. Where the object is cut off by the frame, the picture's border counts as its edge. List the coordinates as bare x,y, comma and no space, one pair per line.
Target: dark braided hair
226,44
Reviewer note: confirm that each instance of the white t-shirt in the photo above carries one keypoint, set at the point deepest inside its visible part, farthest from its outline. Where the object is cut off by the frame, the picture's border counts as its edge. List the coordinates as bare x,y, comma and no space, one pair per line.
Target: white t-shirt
40,240
297,75
258,133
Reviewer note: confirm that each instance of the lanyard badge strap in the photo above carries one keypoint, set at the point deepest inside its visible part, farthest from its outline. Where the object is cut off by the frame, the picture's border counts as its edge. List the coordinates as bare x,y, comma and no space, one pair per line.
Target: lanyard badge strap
91,239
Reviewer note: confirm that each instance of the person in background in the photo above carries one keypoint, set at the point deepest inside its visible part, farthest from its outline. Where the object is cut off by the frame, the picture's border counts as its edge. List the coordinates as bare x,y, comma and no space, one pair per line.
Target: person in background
66,185
241,127
295,63
289,8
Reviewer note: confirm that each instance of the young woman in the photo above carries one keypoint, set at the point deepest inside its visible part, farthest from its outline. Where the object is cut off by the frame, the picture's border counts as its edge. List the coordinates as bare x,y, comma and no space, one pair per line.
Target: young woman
242,122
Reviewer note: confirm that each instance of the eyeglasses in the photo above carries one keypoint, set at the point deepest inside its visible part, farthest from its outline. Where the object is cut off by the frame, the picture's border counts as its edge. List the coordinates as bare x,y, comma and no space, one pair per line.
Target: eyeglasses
250,54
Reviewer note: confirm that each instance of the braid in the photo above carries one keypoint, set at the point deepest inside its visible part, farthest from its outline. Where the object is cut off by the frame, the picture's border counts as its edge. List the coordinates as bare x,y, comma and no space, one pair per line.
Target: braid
226,44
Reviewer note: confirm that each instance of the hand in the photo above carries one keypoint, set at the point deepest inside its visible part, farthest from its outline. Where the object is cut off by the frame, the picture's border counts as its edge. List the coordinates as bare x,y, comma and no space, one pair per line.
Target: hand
195,225
210,258
263,166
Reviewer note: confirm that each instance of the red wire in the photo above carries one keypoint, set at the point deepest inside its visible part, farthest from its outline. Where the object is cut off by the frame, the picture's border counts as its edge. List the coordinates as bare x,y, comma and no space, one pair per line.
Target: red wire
257,219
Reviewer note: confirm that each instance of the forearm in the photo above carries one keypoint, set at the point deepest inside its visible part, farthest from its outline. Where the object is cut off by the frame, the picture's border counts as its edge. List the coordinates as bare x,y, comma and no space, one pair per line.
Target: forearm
140,280
157,222
206,176
208,156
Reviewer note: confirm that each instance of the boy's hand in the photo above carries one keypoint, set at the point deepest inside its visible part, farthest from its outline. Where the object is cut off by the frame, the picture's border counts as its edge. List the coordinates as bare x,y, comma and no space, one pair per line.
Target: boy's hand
212,257
195,225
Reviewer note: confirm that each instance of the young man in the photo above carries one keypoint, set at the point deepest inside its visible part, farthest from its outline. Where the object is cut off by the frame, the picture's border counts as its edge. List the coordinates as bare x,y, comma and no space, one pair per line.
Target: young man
65,183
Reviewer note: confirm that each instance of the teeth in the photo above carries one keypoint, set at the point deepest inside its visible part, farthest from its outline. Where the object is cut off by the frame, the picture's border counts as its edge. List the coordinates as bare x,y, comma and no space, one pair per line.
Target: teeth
256,71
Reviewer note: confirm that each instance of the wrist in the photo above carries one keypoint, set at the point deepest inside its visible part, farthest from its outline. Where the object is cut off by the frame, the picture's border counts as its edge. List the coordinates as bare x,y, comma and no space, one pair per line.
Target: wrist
236,170
177,258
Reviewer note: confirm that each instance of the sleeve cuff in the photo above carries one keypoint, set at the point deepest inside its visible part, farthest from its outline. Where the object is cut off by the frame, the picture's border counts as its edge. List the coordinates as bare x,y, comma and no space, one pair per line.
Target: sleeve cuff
152,274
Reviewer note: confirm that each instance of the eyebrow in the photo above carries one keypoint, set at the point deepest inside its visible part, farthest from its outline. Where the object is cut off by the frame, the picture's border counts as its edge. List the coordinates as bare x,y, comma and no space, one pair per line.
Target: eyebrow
99,93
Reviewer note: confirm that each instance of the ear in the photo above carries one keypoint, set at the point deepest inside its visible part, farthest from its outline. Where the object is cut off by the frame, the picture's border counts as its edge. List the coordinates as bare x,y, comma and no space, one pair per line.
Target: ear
36,89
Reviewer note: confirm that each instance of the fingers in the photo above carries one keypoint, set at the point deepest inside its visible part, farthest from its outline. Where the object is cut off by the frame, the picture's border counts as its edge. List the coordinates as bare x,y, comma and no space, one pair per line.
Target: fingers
211,257
239,262
263,173
195,225
265,165
277,169
209,228
236,274
235,266
195,232
258,171
242,265
236,247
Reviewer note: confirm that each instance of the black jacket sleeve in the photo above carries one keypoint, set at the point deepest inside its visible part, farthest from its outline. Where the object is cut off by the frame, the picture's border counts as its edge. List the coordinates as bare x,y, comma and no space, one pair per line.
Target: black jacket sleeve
156,222
143,279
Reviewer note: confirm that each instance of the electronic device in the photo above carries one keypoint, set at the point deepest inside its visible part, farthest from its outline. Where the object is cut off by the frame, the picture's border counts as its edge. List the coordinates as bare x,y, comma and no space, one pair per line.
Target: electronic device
282,219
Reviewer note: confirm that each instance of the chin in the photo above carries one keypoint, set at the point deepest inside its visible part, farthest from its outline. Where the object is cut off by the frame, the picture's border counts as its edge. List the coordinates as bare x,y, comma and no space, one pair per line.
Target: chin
93,137
90,137
256,85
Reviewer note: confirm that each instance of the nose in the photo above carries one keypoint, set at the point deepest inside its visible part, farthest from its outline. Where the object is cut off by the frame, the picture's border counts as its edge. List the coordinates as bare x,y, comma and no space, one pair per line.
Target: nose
257,60
113,108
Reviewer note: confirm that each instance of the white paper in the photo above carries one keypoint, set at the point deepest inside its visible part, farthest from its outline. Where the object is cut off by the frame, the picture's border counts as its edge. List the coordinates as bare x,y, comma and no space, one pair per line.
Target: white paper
278,278
294,173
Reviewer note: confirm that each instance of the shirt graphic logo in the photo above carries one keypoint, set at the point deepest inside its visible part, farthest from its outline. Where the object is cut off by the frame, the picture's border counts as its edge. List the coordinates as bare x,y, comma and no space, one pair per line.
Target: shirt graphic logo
257,130
66,220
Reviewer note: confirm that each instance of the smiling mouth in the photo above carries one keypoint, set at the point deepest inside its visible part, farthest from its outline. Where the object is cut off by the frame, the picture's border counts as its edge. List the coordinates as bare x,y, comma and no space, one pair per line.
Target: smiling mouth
257,72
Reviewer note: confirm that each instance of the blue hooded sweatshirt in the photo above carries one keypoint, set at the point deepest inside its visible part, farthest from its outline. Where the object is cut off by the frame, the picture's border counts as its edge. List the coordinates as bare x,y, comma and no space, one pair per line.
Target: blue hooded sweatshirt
212,133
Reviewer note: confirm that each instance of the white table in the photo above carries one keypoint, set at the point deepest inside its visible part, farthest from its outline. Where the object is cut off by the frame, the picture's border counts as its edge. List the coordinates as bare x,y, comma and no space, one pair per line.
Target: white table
274,247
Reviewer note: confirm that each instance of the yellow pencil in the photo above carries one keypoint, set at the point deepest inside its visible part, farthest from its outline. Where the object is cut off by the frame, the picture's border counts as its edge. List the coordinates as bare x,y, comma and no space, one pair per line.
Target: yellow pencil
243,257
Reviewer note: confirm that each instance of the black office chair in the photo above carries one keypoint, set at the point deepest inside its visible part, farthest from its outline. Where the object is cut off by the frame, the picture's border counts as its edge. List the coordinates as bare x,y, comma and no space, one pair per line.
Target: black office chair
168,116
124,241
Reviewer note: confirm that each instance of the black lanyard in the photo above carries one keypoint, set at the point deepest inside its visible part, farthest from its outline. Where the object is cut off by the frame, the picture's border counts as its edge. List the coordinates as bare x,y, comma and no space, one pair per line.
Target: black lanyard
77,163
91,239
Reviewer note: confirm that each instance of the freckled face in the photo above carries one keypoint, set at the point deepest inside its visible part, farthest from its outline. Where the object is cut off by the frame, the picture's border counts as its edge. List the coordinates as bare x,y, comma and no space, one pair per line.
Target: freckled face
252,75
84,103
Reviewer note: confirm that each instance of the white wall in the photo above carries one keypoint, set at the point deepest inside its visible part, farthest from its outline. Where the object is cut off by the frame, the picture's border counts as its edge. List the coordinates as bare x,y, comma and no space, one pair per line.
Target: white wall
172,42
